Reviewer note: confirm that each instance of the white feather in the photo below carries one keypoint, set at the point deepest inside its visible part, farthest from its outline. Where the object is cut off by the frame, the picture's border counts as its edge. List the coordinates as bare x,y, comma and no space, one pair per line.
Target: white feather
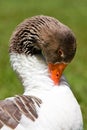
59,110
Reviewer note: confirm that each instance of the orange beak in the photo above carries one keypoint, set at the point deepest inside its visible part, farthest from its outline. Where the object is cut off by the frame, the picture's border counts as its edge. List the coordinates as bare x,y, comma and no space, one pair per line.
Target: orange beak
56,71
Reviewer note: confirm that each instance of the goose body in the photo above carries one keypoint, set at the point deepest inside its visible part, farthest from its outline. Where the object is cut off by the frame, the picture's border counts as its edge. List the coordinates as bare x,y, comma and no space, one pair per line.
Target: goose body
45,104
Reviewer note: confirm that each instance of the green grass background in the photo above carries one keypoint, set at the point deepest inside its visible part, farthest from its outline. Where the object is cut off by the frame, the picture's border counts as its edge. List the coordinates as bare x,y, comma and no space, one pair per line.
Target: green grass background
71,12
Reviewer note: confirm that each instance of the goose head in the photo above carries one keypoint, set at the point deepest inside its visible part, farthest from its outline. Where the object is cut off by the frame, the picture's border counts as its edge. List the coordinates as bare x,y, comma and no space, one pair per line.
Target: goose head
47,38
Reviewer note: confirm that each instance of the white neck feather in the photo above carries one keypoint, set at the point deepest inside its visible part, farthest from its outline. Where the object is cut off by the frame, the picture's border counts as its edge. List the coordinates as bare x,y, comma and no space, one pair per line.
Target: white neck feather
33,71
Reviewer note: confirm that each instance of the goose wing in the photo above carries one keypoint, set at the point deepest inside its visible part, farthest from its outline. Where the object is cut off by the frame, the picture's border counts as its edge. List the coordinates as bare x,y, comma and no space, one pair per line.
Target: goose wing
11,110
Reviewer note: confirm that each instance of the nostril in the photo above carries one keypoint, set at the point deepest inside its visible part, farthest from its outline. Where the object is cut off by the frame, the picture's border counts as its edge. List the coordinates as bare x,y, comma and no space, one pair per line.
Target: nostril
57,74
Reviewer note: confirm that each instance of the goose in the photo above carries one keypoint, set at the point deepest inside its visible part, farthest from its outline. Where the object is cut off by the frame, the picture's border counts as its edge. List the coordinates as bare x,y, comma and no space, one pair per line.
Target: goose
40,49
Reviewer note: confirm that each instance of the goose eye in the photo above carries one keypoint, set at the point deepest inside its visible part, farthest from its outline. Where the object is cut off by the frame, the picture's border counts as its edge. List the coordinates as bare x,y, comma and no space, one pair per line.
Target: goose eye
60,52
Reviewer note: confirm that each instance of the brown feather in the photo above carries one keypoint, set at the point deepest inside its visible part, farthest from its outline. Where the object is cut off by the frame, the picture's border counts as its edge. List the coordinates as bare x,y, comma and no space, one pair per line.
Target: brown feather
12,110
44,35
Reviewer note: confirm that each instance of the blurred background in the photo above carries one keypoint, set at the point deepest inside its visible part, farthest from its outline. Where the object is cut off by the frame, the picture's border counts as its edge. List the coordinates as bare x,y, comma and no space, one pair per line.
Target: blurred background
72,13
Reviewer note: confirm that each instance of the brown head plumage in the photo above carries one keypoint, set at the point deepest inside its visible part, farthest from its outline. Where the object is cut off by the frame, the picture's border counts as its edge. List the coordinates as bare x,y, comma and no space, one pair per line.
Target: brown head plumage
44,35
